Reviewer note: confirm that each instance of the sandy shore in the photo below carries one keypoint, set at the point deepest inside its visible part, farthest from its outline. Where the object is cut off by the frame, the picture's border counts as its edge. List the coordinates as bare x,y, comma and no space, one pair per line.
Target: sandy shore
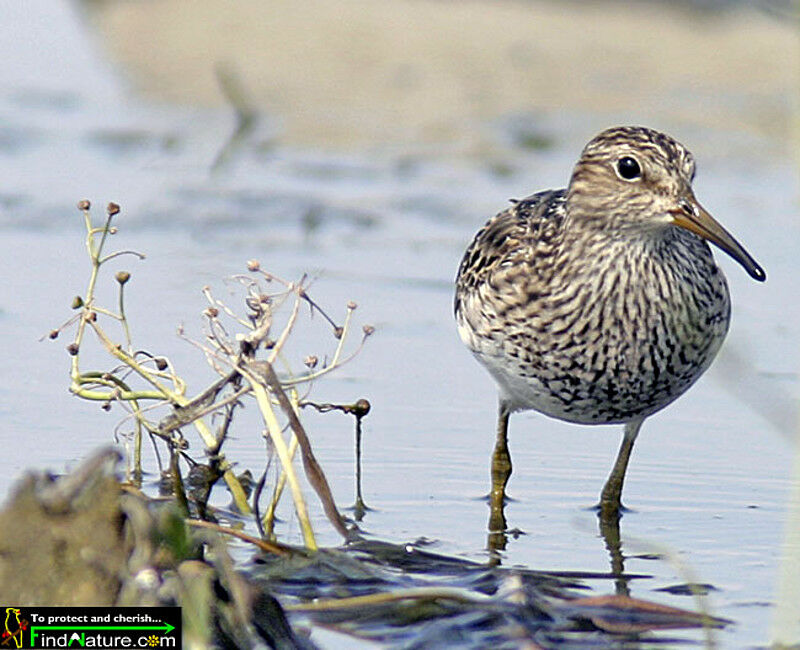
377,71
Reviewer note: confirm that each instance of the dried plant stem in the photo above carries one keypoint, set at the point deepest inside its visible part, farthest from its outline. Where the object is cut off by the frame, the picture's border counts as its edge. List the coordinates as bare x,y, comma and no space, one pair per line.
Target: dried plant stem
268,547
120,389
122,317
137,440
268,520
274,429
419,593
342,337
176,396
285,333
93,255
313,470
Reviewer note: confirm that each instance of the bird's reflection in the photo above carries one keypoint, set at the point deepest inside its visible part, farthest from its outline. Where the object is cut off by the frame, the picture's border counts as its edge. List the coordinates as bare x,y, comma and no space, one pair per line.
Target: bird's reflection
609,530
499,533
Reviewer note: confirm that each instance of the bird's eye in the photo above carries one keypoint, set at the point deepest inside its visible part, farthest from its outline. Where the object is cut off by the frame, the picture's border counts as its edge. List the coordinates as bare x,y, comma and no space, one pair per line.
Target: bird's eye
628,168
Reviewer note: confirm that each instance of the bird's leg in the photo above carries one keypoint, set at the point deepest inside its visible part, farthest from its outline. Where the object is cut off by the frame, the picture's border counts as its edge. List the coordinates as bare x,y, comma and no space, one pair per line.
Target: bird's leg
611,497
501,471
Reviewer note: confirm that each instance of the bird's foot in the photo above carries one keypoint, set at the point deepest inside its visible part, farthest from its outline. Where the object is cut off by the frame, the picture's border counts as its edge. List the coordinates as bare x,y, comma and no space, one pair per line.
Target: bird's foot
488,498
608,509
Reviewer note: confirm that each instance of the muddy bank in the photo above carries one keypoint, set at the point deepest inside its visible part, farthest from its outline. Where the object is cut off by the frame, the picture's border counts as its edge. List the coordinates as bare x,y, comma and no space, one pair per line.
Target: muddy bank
372,72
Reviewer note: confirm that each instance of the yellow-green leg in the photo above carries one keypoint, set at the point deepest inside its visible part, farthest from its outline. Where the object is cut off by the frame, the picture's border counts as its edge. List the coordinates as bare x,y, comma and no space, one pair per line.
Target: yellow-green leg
611,496
501,472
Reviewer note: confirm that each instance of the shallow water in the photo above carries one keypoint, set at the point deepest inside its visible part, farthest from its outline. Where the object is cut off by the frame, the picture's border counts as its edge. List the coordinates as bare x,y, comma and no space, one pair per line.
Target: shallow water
710,475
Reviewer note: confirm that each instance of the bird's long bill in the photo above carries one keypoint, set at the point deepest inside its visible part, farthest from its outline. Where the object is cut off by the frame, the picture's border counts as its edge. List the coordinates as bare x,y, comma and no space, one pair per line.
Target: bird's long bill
693,217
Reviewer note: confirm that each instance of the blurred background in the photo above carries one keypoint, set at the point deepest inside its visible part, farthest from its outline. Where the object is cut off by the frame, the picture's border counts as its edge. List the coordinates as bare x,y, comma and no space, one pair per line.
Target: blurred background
378,73
365,141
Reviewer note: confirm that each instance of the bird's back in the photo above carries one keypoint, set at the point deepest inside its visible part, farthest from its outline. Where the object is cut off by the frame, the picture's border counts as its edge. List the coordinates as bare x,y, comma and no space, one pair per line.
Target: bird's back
519,240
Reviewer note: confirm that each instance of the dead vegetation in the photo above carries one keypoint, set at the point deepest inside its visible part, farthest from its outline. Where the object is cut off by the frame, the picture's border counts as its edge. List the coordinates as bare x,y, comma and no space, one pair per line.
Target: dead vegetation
243,344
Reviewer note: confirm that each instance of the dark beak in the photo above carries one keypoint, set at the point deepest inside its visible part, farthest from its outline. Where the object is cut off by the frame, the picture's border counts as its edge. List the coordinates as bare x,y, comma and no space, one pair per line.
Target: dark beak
691,215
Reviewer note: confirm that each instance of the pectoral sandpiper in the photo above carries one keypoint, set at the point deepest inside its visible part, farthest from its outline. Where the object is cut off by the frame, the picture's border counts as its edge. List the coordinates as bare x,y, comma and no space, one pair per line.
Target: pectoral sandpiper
599,303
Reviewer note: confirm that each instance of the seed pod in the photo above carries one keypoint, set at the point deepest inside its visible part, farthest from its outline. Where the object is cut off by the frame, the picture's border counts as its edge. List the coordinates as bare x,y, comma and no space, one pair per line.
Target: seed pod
84,205
122,276
77,302
362,407
112,209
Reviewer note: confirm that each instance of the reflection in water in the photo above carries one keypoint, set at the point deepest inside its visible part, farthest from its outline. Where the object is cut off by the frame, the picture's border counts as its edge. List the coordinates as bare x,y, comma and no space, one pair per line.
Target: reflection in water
498,531
623,608
609,526
609,529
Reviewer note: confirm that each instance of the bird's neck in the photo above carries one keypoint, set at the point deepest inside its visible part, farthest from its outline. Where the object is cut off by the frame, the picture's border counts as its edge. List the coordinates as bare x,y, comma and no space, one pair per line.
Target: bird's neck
593,231
591,248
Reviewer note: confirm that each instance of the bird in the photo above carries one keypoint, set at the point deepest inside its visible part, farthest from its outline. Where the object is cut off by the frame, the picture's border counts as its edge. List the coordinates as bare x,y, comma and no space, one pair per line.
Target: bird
599,303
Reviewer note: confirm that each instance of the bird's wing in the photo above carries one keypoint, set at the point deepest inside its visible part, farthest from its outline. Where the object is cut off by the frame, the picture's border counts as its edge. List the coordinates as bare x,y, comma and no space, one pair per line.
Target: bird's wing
520,241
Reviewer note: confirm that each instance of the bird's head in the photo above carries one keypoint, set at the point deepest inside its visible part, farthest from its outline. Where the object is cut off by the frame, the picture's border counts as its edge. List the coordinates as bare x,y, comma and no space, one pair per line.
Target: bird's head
635,179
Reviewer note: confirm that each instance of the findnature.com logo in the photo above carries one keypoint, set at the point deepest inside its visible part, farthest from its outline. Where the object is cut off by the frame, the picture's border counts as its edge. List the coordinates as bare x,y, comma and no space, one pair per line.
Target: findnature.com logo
92,627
